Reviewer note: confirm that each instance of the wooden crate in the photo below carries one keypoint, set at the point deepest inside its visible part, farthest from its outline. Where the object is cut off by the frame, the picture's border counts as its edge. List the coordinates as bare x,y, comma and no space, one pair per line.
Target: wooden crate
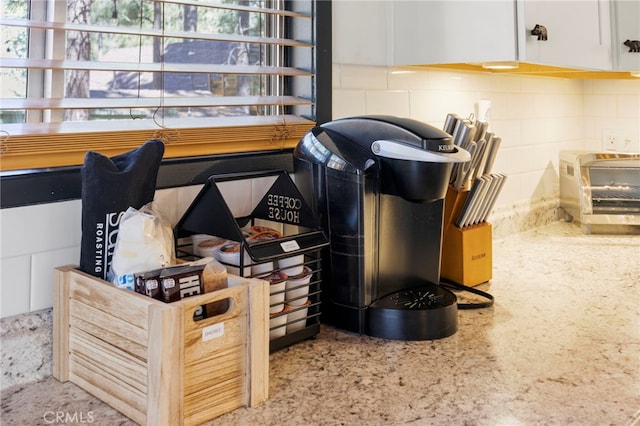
150,360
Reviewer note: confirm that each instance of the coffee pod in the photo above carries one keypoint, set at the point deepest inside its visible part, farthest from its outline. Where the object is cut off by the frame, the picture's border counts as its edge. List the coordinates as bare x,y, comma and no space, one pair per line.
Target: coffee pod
293,265
278,323
297,317
265,233
196,239
210,247
277,287
297,288
258,269
229,255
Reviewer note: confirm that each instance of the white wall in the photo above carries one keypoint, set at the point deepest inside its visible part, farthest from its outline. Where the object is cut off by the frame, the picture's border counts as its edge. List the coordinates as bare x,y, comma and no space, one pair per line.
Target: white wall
35,239
536,118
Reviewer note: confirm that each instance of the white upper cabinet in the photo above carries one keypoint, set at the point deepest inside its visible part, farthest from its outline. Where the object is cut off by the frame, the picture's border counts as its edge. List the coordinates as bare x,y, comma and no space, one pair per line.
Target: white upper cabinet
626,18
361,32
443,32
578,32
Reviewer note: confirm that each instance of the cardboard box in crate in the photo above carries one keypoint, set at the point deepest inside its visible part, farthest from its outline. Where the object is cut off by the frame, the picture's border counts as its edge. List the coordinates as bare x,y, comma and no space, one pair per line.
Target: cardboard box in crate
150,360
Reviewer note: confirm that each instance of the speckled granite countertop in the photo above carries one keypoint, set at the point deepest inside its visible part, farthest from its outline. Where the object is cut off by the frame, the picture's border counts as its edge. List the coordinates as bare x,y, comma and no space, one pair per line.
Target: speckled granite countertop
560,346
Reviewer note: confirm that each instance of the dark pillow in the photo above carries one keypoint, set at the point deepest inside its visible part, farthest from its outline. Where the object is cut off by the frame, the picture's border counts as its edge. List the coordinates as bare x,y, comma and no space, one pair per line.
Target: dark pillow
109,187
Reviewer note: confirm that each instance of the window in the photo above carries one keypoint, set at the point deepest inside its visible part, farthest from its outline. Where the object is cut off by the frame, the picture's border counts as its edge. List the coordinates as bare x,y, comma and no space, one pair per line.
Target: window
205,76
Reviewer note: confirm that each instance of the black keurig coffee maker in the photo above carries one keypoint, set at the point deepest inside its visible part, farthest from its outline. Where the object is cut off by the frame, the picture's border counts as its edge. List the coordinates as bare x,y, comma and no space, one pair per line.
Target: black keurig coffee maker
377,184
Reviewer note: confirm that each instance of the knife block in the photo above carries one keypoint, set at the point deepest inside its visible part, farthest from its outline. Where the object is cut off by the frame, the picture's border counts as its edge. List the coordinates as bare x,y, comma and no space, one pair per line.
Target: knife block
466,252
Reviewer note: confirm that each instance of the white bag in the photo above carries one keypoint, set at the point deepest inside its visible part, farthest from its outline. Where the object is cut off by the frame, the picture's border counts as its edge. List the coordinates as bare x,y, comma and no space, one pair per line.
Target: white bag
144,243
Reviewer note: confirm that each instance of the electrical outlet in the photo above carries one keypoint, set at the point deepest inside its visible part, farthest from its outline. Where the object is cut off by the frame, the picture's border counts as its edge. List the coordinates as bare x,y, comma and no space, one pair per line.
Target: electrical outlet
610,139
610,142
619,140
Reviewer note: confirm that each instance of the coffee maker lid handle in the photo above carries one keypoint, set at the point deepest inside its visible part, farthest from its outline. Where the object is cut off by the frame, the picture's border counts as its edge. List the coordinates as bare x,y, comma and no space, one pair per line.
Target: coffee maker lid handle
400,151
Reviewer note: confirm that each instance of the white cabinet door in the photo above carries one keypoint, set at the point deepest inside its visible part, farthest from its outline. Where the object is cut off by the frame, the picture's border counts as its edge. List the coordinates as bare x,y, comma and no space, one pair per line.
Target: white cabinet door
626,26
361,30
476,31
447,31
578,33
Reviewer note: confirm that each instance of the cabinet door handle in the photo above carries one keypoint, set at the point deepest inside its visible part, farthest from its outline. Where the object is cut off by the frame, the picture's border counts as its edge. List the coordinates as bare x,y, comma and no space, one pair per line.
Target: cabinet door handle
540,31
633,45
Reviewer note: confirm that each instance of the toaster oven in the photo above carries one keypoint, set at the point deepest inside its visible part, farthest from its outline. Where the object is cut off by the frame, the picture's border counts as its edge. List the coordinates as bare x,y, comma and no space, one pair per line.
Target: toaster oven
600,188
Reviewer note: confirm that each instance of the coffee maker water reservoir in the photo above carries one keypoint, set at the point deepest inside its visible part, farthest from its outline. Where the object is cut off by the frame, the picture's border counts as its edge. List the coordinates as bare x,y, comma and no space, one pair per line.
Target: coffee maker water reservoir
377,184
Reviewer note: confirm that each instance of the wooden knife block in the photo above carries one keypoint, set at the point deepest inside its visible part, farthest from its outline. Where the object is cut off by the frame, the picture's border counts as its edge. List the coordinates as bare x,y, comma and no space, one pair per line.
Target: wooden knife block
466,252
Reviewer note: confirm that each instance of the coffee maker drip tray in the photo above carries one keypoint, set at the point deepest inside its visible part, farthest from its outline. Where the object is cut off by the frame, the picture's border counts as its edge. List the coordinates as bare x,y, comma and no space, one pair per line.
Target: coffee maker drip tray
426,312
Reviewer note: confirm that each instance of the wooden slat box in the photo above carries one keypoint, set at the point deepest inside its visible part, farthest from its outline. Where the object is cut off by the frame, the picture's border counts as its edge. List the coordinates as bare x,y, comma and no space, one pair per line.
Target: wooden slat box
150,360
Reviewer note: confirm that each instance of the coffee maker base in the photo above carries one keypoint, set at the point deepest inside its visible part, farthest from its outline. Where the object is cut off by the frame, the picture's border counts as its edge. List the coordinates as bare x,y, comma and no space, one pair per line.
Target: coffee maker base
427,312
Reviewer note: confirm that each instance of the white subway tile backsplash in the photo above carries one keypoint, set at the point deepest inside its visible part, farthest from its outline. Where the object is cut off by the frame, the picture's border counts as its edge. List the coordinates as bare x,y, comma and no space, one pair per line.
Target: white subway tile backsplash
39,228
423,107
447,80
360,77
259,188
434,105
600,105
14,227
557,105
408,80
335,76
540,183
392,102
535,117
477,84
42,265
522,159
186,195
347,103
511,106
570,129
15,278
551,85
167,205
628,106
238,196
507,84
511,191
534,132
509,130
614,87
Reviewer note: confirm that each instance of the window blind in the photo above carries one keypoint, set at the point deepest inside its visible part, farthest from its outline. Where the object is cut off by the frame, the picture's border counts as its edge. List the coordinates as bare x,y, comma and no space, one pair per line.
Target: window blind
206,77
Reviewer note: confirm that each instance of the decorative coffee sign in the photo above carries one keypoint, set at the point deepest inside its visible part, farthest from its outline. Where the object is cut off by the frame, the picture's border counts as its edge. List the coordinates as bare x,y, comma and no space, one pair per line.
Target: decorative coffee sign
284,203
282,208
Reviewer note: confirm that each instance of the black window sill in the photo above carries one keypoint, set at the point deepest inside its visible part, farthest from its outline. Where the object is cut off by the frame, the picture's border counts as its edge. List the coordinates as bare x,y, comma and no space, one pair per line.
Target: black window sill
24,188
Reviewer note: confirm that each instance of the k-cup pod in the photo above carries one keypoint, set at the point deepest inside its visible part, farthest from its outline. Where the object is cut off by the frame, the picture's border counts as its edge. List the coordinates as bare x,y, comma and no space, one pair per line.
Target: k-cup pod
277,287
229,255
293,265
265,233
297,317
278,323
209,247
197,239
261,268
297,288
